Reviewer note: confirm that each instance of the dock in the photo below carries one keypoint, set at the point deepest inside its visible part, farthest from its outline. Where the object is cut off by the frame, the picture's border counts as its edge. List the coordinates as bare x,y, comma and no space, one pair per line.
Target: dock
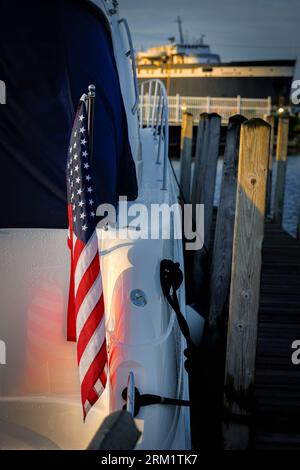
245,388
277,383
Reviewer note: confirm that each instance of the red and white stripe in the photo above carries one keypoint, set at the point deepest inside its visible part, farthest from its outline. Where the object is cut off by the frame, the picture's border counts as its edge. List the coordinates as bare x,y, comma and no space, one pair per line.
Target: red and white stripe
88,312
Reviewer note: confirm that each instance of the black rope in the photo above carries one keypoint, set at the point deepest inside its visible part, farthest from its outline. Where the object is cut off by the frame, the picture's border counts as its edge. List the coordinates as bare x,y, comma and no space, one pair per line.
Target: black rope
147,399
171,278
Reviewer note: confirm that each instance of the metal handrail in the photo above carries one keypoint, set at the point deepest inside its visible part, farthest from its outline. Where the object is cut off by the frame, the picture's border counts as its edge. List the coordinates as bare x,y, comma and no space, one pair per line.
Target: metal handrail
249,107
154,114
131,53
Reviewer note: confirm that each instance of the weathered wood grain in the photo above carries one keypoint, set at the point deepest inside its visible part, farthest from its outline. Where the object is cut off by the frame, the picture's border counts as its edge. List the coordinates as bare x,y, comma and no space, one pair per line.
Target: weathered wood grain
270,120
200,156
245,279
281,159
210,171
186,155
222,251
205,179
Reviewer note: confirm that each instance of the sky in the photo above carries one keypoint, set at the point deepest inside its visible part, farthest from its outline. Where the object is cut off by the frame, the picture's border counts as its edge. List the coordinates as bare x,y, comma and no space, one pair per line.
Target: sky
235,29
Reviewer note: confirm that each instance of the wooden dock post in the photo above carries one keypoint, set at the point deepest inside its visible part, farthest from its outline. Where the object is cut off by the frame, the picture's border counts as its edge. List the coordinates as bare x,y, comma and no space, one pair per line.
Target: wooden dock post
271,120
207,152
186,155
222,251
210,160
281,159
214,344
245,282
203,192
200,155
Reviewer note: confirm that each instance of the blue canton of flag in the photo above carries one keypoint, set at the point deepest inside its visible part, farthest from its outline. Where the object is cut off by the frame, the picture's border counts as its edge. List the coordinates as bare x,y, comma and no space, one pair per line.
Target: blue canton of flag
80,186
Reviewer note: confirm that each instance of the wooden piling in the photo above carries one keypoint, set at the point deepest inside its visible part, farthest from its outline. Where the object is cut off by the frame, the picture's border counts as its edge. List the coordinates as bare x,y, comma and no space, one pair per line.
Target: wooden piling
281,159
200,155
245,282
208,171
206,159
214,343
186,155
204,182
222,251
270,120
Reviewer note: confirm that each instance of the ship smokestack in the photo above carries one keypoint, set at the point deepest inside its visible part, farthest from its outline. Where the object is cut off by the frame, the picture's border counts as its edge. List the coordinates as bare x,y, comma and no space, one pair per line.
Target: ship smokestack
179,22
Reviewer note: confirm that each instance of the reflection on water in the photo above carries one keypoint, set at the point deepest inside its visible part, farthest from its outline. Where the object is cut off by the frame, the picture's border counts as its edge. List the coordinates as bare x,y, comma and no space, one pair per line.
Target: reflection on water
292,194
292,190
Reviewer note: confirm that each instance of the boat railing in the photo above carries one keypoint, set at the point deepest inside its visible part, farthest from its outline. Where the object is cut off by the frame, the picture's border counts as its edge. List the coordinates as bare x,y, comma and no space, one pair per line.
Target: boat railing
131,54
154,115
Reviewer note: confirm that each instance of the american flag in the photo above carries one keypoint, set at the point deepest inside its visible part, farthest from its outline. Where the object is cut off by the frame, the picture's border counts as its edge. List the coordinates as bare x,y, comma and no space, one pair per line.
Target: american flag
86,321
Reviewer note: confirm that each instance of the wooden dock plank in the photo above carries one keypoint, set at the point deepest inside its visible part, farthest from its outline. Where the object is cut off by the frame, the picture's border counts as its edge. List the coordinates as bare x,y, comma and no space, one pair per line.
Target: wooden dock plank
276,421
277,383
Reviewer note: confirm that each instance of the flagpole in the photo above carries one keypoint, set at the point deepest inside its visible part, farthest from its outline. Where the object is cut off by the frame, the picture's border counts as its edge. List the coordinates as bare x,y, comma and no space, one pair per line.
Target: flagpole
91,106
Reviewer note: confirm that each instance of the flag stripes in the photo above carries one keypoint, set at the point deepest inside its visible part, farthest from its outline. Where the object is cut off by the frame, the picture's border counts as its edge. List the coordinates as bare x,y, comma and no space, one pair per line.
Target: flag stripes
86,319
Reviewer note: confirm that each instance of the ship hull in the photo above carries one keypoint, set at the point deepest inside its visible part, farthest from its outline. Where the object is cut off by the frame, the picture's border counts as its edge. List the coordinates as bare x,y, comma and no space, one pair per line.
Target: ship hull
278,88
250,80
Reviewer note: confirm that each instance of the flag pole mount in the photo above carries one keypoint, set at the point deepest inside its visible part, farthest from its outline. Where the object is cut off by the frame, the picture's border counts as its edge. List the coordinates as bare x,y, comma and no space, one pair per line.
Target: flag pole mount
91,107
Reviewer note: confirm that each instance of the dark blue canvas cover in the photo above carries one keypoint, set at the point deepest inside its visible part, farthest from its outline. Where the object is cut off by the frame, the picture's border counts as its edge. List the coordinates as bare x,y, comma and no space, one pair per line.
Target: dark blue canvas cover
50,51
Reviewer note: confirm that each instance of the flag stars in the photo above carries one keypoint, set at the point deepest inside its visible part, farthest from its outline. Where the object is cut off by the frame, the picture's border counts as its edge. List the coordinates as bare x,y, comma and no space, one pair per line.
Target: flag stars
80,180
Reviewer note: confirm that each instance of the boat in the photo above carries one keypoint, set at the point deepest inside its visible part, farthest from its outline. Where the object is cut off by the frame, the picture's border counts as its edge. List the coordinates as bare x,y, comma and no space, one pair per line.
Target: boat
192,69
40,404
